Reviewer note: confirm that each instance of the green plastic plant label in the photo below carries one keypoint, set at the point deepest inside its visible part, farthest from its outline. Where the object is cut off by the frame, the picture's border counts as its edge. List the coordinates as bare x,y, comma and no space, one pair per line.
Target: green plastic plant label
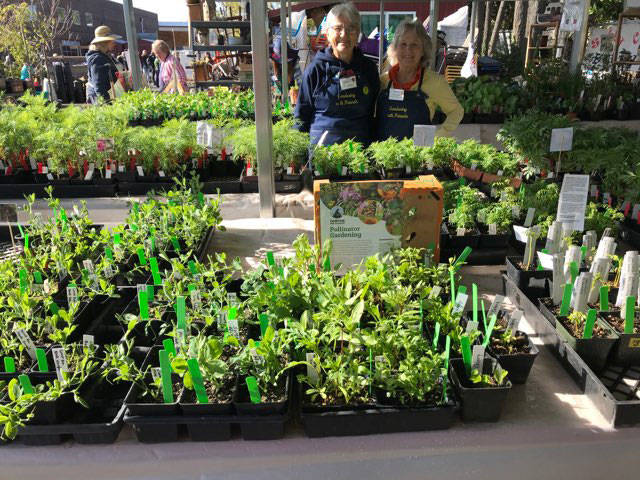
573,266
53,308
169,346
176,244
264,323
26,242
474,292
165,369
327,264
232,322
155,271
180,313
629,315
492,324
436,335
254,392
24,285
117,239
109,253
143,302
9,365
38,277
453,285
588,326
566,300
142,257
43,365
192,267
25,383
604,298
198,382
447,350
463,257
21,230
465,346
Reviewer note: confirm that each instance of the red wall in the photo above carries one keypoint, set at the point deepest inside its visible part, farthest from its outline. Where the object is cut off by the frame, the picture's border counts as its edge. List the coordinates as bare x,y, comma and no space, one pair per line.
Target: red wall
421,8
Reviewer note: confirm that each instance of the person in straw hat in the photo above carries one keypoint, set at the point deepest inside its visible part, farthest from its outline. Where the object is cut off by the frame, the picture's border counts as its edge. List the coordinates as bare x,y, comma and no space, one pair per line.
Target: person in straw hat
102,68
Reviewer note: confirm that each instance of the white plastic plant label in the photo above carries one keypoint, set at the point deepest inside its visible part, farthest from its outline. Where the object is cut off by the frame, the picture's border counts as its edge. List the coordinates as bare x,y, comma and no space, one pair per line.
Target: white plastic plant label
494,192
34,166
120,168
88,341
312,373
546,260
196,299
25,340
257,358
500,173
407,169
461,302
515,211
561,139
477,358
529,219
471,327
522,233
435,291
250,172
232,325
444,229
89,174
514,320
474,165
221,320
108,270
72,295
424,135
107,174
460,232
49,176
493,229
156,373
140,171
289,171
60,362
88,264
430,165
593,190
140,288
161,174
496,305
232,299
180,340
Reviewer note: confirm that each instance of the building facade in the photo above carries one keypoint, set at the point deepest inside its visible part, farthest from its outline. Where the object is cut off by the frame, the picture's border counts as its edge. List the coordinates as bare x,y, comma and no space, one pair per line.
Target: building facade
89,14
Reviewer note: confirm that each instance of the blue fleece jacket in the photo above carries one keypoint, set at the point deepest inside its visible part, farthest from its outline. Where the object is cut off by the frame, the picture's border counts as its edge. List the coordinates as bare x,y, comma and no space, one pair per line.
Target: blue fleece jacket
323,105
102,71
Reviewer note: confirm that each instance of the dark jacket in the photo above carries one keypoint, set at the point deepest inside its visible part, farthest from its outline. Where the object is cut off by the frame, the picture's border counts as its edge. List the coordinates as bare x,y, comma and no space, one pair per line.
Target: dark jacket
102,71
314,111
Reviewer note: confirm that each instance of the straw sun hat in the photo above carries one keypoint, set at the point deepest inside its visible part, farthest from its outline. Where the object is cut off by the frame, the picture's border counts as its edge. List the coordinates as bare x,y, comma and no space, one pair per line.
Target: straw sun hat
103,34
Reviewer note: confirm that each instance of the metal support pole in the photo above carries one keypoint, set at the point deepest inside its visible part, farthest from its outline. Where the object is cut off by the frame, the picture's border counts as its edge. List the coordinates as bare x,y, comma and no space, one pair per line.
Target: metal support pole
289,22
261,88
472,26
433,30
283,51
132,40
381,38
580,38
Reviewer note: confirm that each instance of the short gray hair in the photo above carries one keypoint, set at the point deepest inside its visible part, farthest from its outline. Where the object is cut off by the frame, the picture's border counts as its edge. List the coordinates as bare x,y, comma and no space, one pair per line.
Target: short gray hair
347,11
405,26
161,46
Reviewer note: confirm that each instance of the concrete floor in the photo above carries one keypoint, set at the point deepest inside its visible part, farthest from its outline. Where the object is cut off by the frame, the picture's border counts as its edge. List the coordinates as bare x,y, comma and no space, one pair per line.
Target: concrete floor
548,429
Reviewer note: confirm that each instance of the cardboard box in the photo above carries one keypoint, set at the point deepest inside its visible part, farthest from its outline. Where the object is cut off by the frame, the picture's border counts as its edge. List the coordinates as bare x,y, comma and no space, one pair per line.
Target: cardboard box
368,217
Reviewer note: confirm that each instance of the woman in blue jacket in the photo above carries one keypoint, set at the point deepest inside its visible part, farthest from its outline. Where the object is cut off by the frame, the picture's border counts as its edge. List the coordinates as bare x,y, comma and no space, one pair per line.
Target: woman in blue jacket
340,87
102,68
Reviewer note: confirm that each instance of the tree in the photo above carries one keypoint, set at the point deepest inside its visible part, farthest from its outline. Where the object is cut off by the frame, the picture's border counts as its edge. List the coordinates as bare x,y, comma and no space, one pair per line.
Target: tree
604,11
30,31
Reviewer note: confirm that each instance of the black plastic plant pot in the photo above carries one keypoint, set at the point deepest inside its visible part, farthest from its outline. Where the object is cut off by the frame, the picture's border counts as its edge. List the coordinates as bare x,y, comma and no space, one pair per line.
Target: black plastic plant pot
53,411
479,404
222,185
494,241
244,406
593,351
471,239
526,279
518,365
264,429
543,305
626,351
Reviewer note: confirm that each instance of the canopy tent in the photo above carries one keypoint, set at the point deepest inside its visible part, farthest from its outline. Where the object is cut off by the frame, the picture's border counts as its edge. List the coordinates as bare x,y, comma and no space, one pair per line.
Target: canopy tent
454,26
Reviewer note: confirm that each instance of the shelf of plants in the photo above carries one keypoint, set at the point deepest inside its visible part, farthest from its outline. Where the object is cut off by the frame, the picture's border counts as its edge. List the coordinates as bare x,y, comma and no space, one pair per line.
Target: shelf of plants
128,325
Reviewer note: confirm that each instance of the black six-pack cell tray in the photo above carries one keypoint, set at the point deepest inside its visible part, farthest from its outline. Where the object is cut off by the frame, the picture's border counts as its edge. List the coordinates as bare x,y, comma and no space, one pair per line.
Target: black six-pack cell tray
614,391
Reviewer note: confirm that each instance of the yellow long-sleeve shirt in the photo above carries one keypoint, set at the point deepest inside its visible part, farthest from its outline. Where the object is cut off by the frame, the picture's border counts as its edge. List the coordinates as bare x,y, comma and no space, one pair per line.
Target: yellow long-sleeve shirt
439,94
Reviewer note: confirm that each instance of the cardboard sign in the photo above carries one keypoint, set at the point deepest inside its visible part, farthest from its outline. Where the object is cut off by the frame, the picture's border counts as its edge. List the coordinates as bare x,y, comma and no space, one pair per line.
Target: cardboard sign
424,135
561,139
573,201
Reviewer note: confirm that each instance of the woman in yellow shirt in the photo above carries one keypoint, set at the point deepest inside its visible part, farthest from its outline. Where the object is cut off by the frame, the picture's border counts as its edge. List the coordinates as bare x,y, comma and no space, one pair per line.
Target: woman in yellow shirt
409,93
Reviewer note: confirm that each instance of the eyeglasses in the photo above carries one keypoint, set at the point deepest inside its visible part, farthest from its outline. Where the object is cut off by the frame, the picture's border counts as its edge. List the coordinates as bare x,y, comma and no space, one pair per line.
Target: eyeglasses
341,28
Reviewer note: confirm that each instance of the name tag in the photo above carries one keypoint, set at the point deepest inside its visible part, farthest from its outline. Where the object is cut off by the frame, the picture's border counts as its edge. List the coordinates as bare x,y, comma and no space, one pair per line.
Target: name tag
347,83
396,94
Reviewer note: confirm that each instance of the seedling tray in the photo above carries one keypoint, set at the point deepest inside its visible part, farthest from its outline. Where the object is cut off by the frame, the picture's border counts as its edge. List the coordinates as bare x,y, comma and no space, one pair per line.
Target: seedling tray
159,429
84,191
88,433
378,420
224,185
478,256
630,236
614,393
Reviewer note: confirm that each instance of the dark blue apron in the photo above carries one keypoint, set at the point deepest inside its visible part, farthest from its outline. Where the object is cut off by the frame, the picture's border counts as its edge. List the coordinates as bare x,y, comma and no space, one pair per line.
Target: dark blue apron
396,118
344,114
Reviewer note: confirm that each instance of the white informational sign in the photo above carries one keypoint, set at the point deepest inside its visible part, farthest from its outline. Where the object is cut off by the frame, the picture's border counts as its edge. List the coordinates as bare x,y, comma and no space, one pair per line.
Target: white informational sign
546,260
573,201
561,139
521,233
572,14
424,135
